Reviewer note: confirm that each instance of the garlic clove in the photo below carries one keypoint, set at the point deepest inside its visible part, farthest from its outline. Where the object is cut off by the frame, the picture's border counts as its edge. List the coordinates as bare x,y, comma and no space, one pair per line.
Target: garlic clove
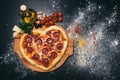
17,29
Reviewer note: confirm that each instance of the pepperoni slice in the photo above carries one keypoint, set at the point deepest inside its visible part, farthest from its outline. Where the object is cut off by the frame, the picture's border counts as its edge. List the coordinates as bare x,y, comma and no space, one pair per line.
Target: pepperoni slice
45,62
38,41
28,39
53,55
29,49
59,46
56,34
36,56
44,50
49,40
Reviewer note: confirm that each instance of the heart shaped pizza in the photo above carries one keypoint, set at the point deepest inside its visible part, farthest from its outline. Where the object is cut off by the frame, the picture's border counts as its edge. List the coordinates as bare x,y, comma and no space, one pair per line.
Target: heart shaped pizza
40,42
44,47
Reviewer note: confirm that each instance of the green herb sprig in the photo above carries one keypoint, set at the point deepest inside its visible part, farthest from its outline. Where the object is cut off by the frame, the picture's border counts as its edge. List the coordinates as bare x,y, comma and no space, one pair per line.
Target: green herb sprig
27,28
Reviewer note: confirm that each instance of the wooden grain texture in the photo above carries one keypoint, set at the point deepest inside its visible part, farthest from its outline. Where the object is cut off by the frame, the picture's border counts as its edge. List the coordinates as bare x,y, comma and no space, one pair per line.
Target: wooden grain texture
68,53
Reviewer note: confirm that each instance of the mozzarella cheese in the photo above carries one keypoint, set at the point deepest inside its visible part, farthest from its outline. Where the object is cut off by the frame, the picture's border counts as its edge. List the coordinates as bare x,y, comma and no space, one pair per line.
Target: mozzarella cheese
17,31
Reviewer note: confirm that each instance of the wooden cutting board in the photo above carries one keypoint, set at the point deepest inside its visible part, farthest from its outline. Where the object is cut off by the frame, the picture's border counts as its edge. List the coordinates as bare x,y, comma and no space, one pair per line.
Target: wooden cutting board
68,53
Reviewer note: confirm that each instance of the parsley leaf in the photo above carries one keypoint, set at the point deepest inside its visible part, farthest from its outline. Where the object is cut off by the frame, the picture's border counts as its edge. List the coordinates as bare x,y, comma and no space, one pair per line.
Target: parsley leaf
27,28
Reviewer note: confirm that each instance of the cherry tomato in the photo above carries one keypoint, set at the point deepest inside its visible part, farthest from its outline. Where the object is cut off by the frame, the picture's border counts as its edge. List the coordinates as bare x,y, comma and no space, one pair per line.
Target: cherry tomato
50,18
46,19
51,23
42,22
55,20
47,24
39,22
55,14
60,14
60,19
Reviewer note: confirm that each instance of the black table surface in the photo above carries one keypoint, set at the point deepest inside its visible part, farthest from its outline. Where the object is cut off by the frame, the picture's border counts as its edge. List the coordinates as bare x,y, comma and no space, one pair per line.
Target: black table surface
11,67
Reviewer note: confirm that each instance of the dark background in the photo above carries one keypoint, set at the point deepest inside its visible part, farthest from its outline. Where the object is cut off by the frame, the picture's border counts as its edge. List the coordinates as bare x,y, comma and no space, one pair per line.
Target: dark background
9,17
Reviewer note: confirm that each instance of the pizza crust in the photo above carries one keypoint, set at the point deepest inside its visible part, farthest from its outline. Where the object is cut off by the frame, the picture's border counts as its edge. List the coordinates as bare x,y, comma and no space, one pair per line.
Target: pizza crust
57,62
